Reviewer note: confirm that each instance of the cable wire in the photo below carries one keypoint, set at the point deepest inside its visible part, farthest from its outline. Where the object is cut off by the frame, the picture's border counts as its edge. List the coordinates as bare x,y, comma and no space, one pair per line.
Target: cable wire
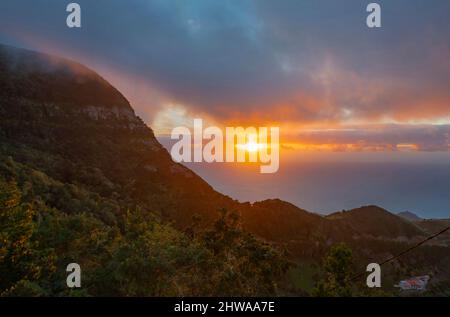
404,251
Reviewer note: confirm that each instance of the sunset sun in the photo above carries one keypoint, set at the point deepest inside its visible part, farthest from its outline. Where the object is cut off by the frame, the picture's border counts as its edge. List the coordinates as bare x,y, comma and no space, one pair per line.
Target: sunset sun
252,146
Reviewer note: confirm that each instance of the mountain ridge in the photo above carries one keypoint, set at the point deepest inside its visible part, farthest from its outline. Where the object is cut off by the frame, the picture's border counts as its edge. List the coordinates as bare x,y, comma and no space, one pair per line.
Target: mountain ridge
376,221
409,216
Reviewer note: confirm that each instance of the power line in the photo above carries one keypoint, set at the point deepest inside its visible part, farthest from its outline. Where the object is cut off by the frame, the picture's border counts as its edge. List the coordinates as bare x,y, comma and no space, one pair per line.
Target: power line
404,251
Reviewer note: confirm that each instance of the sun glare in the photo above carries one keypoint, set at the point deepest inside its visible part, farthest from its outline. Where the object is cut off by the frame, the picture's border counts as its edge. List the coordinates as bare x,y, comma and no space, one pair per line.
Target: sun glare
253,146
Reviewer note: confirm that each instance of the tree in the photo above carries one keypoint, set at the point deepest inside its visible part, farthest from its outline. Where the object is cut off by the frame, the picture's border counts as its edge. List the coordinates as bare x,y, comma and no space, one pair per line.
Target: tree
337,268
243,264
21,263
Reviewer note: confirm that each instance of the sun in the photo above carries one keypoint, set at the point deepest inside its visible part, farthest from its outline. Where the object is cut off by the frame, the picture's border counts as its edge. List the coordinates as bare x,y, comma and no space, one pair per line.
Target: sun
252,146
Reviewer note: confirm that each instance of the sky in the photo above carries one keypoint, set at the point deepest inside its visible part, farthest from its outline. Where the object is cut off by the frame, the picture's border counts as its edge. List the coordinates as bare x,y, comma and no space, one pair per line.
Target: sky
304,65
312,67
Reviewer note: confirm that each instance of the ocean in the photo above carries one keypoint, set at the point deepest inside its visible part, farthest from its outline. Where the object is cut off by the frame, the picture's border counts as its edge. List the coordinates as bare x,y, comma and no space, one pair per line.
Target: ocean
326,182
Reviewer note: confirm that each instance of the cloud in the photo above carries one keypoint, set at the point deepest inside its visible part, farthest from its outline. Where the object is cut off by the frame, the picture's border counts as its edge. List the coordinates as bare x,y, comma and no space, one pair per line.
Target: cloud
294,62
392,137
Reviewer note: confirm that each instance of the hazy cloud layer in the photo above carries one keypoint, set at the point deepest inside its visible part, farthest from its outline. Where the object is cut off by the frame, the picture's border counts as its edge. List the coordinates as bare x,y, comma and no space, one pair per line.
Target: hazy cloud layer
393,137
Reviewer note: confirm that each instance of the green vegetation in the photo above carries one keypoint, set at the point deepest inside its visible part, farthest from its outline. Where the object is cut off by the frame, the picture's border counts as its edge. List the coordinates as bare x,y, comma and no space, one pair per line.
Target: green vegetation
338,272
139,257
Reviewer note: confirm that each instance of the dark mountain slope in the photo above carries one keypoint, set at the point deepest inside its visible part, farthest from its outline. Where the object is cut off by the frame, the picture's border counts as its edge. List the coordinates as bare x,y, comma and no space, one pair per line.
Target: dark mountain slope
263,217
376,222
67,121
45,78
278,220
432,226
